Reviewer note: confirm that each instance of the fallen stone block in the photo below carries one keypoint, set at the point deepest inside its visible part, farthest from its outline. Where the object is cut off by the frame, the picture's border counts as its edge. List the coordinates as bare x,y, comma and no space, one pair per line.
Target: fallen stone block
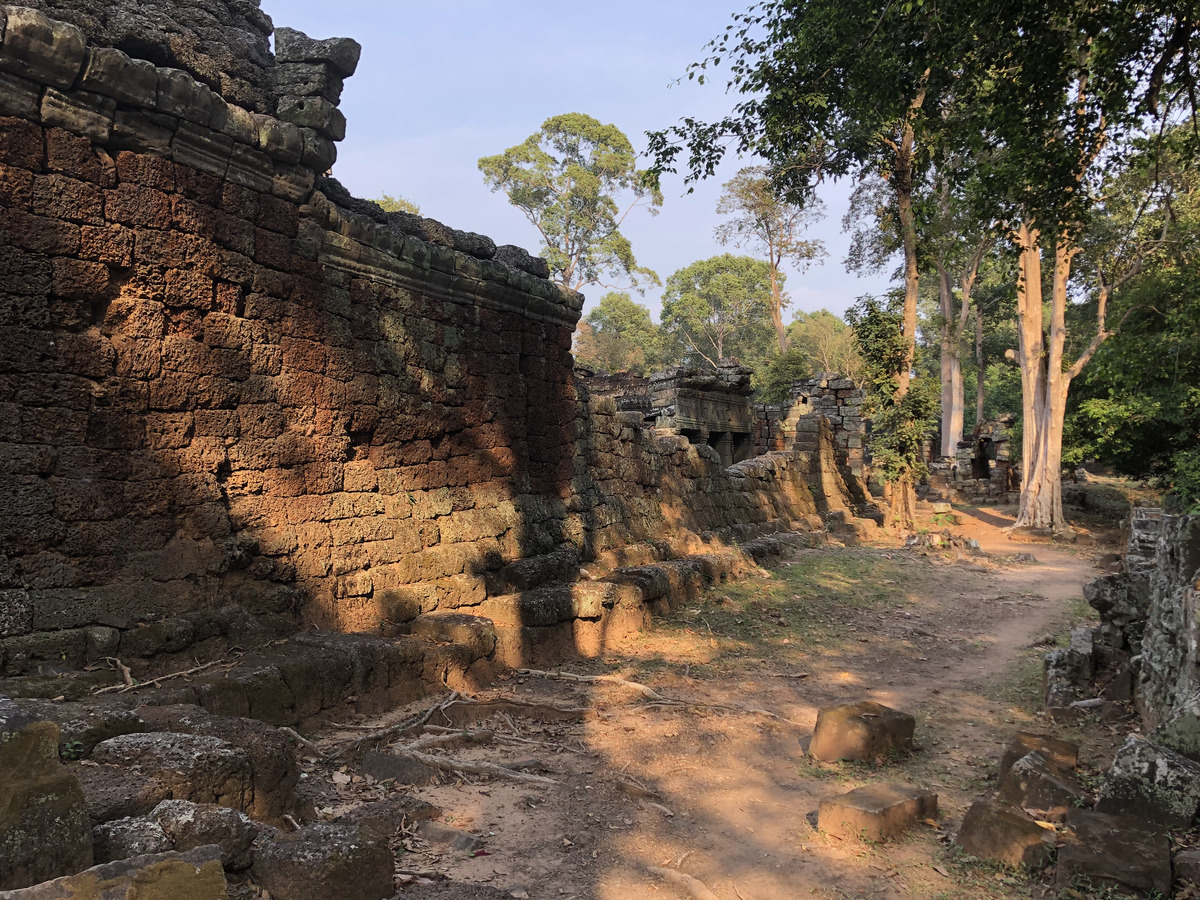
114,792
1100,850
1033,782
1063,754
125,838
876,812
992,830
195,875
44,826
323,861
1151,782
1058,688
194,767
272,759
189,825
860,731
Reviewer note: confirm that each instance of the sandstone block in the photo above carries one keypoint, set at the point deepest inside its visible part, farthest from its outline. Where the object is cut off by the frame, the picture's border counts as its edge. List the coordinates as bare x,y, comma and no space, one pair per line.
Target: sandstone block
314,112
1063,754
1153,783
282,141
860,731
142,131
196,875
876,812
1035,783
133,836
202,149
323,861
41,49
1187,866
19,97
43,815
308,80
195,767
319,153
179,94
191,825
1119,851
994,831
475,632
114,74
342,54
1179,732
79,112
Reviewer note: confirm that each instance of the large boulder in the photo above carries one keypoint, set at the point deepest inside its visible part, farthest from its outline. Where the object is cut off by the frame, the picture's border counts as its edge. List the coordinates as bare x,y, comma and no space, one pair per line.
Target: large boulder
44,827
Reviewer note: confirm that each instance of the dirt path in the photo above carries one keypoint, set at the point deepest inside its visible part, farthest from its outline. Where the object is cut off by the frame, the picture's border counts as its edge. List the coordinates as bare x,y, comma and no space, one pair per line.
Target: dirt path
734,797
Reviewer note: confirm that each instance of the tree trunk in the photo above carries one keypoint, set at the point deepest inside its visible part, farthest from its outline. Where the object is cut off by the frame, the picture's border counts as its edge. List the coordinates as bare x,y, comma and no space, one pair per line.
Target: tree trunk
904,500
777,310
952,385
1044,385
980,372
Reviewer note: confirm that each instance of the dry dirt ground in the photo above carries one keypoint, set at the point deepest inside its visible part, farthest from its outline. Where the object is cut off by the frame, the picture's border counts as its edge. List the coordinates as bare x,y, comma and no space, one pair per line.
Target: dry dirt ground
720,788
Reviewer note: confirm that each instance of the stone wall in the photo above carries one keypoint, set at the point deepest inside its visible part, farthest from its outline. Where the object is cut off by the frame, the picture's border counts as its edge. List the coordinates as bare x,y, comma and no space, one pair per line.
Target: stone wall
226,383
1150,611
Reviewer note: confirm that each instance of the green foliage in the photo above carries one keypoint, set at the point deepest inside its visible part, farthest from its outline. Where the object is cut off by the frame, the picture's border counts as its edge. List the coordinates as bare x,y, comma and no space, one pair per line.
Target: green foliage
899,423
1137,405
566,179
719,308
397,204
618,336
817,342
826,86
72,750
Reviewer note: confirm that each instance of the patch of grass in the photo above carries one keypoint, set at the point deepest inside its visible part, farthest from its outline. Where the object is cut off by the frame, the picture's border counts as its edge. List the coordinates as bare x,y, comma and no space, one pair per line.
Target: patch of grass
805,603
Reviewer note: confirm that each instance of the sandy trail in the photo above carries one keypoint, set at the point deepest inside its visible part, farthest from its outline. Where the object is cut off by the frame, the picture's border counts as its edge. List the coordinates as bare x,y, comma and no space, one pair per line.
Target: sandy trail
734,794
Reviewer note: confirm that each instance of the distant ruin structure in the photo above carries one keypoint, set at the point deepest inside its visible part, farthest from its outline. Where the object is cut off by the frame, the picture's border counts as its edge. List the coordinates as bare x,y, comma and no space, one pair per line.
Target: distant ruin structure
981,470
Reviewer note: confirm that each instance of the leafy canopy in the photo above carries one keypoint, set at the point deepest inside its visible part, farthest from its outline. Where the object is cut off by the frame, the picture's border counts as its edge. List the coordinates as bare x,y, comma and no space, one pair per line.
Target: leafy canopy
575,180
899,423
720,308
618,336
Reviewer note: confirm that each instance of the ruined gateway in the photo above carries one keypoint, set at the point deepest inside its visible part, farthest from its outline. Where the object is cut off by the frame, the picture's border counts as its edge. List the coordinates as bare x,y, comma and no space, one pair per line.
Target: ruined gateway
241,409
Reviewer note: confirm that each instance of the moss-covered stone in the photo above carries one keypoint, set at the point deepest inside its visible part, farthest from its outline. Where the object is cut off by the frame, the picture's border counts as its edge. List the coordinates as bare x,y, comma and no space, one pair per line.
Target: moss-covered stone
44,826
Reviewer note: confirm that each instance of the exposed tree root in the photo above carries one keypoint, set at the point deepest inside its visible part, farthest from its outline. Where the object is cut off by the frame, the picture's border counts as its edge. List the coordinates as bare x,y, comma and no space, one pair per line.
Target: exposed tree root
693,886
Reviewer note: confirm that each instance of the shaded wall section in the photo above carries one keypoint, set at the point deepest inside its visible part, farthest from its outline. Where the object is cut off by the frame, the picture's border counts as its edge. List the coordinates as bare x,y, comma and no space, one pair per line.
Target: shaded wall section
225,381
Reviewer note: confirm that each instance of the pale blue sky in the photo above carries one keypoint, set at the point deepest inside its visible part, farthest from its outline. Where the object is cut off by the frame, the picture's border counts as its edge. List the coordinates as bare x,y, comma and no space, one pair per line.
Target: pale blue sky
444,82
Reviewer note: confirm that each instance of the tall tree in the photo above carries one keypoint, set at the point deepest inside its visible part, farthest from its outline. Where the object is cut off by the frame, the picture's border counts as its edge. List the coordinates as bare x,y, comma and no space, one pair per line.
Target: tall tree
958,243
719,308
1061,88
763,222
840,81
899,421
576,180
618,336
